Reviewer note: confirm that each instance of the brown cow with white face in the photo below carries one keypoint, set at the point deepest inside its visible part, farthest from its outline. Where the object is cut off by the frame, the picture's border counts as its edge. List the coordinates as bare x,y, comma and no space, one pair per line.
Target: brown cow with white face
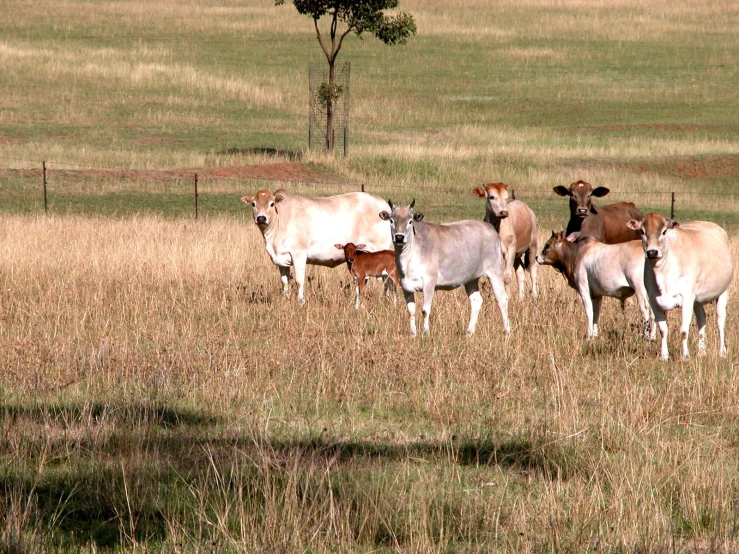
516,225
606,224
687,265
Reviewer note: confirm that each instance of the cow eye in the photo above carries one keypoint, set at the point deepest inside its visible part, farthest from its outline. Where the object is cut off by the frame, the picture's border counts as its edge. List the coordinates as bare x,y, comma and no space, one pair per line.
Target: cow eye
254,204
271,204
664,232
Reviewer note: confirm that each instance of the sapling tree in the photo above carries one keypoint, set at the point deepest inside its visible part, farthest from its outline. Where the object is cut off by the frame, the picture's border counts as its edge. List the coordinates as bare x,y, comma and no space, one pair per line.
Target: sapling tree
345,17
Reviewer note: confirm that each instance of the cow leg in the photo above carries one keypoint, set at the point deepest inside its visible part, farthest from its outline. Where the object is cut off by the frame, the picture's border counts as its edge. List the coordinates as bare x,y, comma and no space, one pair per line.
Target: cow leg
687,315
700,321
299,265
410,301
587,303
473,293
597,303
285,278
650,329
520,278
501,297
532,265
721,321
361,283
390,288
428,298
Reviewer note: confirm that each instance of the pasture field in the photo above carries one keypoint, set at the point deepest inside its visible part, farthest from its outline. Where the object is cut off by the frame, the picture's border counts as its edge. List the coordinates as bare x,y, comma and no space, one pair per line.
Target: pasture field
157,393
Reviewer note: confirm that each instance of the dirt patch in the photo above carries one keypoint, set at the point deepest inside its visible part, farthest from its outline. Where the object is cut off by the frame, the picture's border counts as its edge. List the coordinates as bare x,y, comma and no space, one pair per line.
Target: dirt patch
293,172
689,167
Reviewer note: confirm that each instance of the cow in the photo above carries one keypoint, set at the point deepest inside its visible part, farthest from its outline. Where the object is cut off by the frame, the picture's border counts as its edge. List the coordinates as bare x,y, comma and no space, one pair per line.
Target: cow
516,226
363,265
606,224
687,265
299,230
596,270
430,256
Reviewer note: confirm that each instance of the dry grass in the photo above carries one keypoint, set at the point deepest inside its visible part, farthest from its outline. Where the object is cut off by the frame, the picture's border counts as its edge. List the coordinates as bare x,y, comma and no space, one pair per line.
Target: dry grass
160,354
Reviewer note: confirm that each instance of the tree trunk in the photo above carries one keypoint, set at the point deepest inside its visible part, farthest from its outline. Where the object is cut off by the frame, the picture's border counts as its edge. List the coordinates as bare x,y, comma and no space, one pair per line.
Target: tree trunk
330,108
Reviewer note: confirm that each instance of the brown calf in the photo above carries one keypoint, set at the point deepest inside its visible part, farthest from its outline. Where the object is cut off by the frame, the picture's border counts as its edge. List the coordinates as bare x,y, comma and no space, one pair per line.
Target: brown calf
606,224
363,265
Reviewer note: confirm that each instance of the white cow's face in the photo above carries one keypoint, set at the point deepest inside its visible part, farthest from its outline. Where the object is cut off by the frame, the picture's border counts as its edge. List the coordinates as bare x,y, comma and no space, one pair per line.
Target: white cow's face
655,234
496,195
263,203
401,223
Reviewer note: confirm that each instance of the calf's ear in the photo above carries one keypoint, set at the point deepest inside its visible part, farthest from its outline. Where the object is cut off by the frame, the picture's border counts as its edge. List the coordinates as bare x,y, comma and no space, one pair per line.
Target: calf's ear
279,198
600,191
672,224
479,191
339,247
384,215
361,246
634,225
572,237
247,199
562,191
418,216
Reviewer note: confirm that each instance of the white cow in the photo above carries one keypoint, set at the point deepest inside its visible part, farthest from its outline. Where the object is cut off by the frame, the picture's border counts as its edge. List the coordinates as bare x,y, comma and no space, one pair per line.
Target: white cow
299,230
430,257
688,265
596,270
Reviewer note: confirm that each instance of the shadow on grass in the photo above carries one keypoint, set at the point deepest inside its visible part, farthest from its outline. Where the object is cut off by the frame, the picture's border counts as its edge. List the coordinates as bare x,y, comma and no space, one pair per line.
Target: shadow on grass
292,155
106,474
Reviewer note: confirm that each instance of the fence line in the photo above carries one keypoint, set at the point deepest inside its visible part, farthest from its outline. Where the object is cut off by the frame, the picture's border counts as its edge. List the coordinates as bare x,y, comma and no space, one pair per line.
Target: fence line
196,176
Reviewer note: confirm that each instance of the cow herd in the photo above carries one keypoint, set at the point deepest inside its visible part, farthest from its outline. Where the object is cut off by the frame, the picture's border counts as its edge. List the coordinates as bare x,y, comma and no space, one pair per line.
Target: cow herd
603,251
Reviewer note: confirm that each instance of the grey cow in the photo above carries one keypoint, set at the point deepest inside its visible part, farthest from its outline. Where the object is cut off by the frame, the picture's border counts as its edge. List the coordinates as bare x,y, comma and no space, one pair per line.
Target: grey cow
430,257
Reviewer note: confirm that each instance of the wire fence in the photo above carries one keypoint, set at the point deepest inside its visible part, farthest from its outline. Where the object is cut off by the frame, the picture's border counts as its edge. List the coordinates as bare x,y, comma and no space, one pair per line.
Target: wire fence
55,186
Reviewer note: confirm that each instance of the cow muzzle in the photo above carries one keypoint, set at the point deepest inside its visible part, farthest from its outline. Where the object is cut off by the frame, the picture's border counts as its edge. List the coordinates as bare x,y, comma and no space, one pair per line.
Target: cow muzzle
503,214
261,220
653,254
582,212
399,239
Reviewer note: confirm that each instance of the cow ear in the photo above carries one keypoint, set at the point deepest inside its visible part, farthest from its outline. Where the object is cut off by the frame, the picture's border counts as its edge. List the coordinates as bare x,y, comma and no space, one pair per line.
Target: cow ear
672,224
562,191
413,203
560,236
479,191
279,198
384,215
390,203
361,246
339,247
600,191
634,225
247,199
572,237
418,216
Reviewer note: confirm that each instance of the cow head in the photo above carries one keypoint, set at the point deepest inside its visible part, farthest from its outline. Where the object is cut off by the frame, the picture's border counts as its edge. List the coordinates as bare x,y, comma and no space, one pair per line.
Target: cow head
265,207
350,251
497,198
581,194
552,253
655,234
401,222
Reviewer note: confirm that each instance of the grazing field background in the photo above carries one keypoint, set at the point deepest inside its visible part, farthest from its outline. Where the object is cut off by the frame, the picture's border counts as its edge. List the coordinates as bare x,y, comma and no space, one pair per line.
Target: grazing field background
158,394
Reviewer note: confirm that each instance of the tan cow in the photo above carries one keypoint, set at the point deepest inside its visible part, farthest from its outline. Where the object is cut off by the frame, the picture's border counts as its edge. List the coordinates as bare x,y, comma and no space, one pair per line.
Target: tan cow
298,230
687,265
516,225
363,265
596,270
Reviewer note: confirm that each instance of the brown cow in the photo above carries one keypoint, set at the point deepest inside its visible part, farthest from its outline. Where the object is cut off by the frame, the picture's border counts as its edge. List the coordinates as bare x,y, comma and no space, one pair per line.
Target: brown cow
363,265
516,225
606,224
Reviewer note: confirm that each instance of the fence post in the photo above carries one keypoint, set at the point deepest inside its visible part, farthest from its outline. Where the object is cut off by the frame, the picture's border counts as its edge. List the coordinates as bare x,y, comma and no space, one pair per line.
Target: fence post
672,206
196,196
46,203
513,194
362,187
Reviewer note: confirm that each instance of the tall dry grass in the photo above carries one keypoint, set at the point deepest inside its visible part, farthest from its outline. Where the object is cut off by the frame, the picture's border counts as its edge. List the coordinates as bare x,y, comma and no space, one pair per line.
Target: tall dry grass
154,379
